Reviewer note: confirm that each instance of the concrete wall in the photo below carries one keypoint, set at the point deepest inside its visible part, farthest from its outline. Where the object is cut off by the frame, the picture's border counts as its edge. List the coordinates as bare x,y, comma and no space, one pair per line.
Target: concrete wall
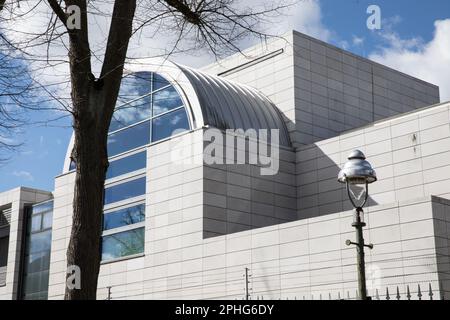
411,154
323,90
16,199
306,258
61,229
239,197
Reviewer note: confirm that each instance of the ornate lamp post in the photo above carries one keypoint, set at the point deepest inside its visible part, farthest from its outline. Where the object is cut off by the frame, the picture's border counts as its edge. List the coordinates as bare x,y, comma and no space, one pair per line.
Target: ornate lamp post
356,172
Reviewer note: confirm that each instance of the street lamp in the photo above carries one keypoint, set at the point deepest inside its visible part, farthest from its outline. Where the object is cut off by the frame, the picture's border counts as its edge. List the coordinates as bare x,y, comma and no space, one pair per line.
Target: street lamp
356,172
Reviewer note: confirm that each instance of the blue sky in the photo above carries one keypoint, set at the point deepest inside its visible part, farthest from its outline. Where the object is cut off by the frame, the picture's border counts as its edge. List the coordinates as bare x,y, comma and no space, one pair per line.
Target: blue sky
409,40
347,18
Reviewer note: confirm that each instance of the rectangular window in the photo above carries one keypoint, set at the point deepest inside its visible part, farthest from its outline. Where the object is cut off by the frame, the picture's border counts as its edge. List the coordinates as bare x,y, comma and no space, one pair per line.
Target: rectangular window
125,191
124,217
126,165
128,139
123,244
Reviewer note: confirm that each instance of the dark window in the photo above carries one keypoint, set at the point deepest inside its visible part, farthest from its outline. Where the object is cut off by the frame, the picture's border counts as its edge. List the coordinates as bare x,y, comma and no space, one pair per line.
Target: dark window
126,165
124,217
4,243
128,139
123,244
36,259
40,242
165,100
125,191
169,124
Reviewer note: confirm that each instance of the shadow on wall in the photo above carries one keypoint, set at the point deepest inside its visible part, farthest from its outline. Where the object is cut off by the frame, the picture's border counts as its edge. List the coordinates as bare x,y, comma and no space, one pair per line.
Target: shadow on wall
241,197
238,198
319,192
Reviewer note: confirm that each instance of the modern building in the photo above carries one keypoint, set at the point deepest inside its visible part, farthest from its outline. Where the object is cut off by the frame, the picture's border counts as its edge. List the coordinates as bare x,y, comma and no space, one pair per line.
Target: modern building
179,227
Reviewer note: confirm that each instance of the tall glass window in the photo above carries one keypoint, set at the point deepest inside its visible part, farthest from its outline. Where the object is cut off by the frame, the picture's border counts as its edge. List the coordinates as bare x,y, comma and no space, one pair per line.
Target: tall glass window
36,259
149,109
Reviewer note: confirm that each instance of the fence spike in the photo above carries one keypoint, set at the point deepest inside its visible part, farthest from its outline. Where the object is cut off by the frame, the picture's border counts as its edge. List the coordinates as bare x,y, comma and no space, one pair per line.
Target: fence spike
348,295
387,294
398,294
320,296
304,298
377,295
329,296
295,297
408,293
430,293
339,295
419,292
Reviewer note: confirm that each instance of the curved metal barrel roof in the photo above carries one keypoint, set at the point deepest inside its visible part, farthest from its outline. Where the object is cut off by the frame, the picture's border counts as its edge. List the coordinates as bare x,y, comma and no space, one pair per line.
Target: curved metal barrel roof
228,105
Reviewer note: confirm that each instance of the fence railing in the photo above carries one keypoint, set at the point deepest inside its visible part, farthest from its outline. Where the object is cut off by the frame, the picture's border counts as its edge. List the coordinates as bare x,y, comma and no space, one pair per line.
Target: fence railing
419,292
388,294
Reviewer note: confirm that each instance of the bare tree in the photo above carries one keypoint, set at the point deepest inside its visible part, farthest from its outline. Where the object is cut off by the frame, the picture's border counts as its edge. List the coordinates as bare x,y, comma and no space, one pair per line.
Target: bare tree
218,25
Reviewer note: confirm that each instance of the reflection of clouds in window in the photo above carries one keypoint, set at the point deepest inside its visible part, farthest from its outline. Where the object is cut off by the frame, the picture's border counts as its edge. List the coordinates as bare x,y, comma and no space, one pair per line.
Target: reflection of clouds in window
175,120
131,113
165,100
134,86
165,126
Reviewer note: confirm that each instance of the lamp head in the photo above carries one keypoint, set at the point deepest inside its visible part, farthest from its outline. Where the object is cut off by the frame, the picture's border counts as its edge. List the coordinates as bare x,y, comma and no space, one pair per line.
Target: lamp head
357,170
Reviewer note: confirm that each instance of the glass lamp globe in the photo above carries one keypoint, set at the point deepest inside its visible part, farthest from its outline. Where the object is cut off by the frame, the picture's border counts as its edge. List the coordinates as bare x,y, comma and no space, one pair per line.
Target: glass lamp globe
357,170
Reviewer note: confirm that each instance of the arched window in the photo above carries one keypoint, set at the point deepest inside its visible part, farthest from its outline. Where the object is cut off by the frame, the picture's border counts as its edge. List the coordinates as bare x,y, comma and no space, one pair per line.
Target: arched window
148,109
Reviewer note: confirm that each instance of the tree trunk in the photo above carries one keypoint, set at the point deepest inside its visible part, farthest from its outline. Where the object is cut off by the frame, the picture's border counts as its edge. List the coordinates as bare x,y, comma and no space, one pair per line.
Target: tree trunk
84,251
93,106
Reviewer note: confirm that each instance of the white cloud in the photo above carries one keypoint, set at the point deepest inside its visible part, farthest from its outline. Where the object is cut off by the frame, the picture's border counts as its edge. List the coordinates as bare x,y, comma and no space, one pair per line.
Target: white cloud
357,41
23,175
307,18
427,61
